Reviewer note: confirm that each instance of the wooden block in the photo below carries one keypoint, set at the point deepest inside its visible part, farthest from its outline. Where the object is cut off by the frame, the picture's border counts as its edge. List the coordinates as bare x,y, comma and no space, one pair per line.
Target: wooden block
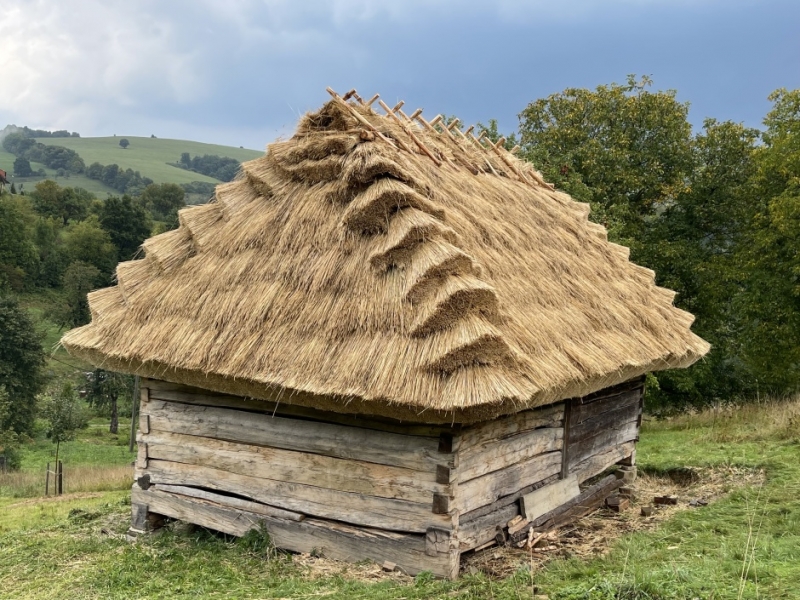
665,500
647,511
441,504
617,503
444,474
437,541
548,498
518,526
445,442
388,566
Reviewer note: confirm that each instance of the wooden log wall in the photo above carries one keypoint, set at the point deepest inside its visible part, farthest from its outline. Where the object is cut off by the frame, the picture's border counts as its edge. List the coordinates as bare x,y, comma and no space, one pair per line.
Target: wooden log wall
227,463
360,488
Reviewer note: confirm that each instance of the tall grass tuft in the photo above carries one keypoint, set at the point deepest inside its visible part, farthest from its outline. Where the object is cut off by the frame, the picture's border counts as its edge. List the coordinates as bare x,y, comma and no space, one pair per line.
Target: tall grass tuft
84,478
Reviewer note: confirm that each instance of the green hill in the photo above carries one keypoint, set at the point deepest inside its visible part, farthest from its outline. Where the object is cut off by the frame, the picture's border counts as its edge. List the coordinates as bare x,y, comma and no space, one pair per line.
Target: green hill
149,156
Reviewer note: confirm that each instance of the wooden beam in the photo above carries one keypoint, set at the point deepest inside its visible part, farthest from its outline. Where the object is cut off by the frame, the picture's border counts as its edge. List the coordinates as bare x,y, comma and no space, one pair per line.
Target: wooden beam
549,498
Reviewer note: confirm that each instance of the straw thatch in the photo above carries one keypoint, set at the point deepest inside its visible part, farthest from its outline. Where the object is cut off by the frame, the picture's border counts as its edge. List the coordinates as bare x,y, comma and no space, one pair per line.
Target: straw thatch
373,265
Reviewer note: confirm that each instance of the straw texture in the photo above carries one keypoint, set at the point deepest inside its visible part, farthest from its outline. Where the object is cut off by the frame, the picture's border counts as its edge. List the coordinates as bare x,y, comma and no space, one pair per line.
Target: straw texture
351,270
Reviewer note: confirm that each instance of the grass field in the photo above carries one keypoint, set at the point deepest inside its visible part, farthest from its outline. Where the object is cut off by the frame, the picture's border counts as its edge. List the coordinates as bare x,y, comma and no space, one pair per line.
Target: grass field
149,156
744,545
96,187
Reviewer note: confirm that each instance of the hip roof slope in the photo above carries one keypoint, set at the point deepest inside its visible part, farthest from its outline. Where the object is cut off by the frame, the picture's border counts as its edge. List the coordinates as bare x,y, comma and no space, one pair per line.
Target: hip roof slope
372,264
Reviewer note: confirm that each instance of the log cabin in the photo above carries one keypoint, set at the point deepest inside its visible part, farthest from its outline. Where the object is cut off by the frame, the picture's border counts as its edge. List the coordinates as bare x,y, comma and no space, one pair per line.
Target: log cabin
387,339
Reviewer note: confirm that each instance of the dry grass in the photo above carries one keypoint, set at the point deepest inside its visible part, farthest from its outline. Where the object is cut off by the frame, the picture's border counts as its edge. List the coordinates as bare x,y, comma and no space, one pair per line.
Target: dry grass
350,271
769,419
595,534
77,479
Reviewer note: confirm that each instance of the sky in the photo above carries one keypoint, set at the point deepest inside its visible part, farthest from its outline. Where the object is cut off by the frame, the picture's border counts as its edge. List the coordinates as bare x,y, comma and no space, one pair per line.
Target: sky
241,72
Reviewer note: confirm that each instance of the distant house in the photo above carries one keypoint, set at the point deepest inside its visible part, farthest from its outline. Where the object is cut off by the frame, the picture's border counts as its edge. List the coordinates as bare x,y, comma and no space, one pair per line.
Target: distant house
380,342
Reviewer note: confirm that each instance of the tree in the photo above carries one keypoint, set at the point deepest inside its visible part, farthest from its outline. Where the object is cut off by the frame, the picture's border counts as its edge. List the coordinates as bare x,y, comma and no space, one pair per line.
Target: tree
622,148
22,167
9,439
78,280
126,223
67,203
64,415
124,143
13,188
186,160
88,242
18,260
771,298
21,362
105,390
163,200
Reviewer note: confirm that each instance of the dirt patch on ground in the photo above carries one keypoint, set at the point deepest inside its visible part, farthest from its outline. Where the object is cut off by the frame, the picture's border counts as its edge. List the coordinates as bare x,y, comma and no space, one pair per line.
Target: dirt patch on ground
594,534
52,499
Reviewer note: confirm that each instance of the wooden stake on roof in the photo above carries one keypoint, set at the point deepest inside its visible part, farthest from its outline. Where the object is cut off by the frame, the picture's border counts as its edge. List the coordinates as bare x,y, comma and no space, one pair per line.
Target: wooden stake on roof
372,100
359,118
417,141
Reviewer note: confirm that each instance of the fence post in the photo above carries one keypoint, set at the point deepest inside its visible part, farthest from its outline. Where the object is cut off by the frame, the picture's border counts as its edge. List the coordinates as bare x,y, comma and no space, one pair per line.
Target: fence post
60,477
47,481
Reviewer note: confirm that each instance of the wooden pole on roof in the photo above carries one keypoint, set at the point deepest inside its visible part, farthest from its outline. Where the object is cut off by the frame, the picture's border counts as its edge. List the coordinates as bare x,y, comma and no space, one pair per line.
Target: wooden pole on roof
391,112
361,119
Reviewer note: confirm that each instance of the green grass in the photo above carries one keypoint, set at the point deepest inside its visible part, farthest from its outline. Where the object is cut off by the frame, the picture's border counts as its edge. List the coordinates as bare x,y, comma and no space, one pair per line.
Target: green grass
746,545
149,156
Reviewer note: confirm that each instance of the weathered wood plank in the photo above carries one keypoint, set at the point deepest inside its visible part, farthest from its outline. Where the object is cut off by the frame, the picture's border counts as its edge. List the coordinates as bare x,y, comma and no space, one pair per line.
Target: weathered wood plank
616,434
329,439
490,456
174,392
484,529
358,509
465,518
603,394
230,501
608,418
597,463
295,467
334,540
579,506
503,427
489,488
548,498
585,412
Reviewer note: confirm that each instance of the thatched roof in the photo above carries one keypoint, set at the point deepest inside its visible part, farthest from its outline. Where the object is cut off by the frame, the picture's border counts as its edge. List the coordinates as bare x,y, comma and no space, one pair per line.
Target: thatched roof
382,264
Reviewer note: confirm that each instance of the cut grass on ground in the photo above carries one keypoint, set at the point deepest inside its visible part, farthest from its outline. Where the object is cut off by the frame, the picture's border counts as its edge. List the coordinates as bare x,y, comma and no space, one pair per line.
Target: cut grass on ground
745,545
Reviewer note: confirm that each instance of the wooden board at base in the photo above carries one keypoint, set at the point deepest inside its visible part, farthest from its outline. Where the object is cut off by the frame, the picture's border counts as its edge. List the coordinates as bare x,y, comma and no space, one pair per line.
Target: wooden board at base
550,497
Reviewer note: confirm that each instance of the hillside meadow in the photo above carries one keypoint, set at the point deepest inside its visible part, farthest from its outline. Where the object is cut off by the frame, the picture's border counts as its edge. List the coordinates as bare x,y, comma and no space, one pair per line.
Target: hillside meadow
745,461
149,156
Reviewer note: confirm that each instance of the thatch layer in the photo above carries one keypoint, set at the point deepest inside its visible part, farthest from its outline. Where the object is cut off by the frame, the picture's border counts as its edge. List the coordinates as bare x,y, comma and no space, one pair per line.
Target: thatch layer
348,269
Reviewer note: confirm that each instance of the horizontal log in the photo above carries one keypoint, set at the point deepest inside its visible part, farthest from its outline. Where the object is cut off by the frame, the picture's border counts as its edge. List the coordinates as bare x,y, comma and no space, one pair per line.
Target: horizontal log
503,427
493,486
612,417
465,518
585,412
294,467
333,540
615,435
230,501
484,529
596,464
495,455
328,439
357,509
603,394
175,392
